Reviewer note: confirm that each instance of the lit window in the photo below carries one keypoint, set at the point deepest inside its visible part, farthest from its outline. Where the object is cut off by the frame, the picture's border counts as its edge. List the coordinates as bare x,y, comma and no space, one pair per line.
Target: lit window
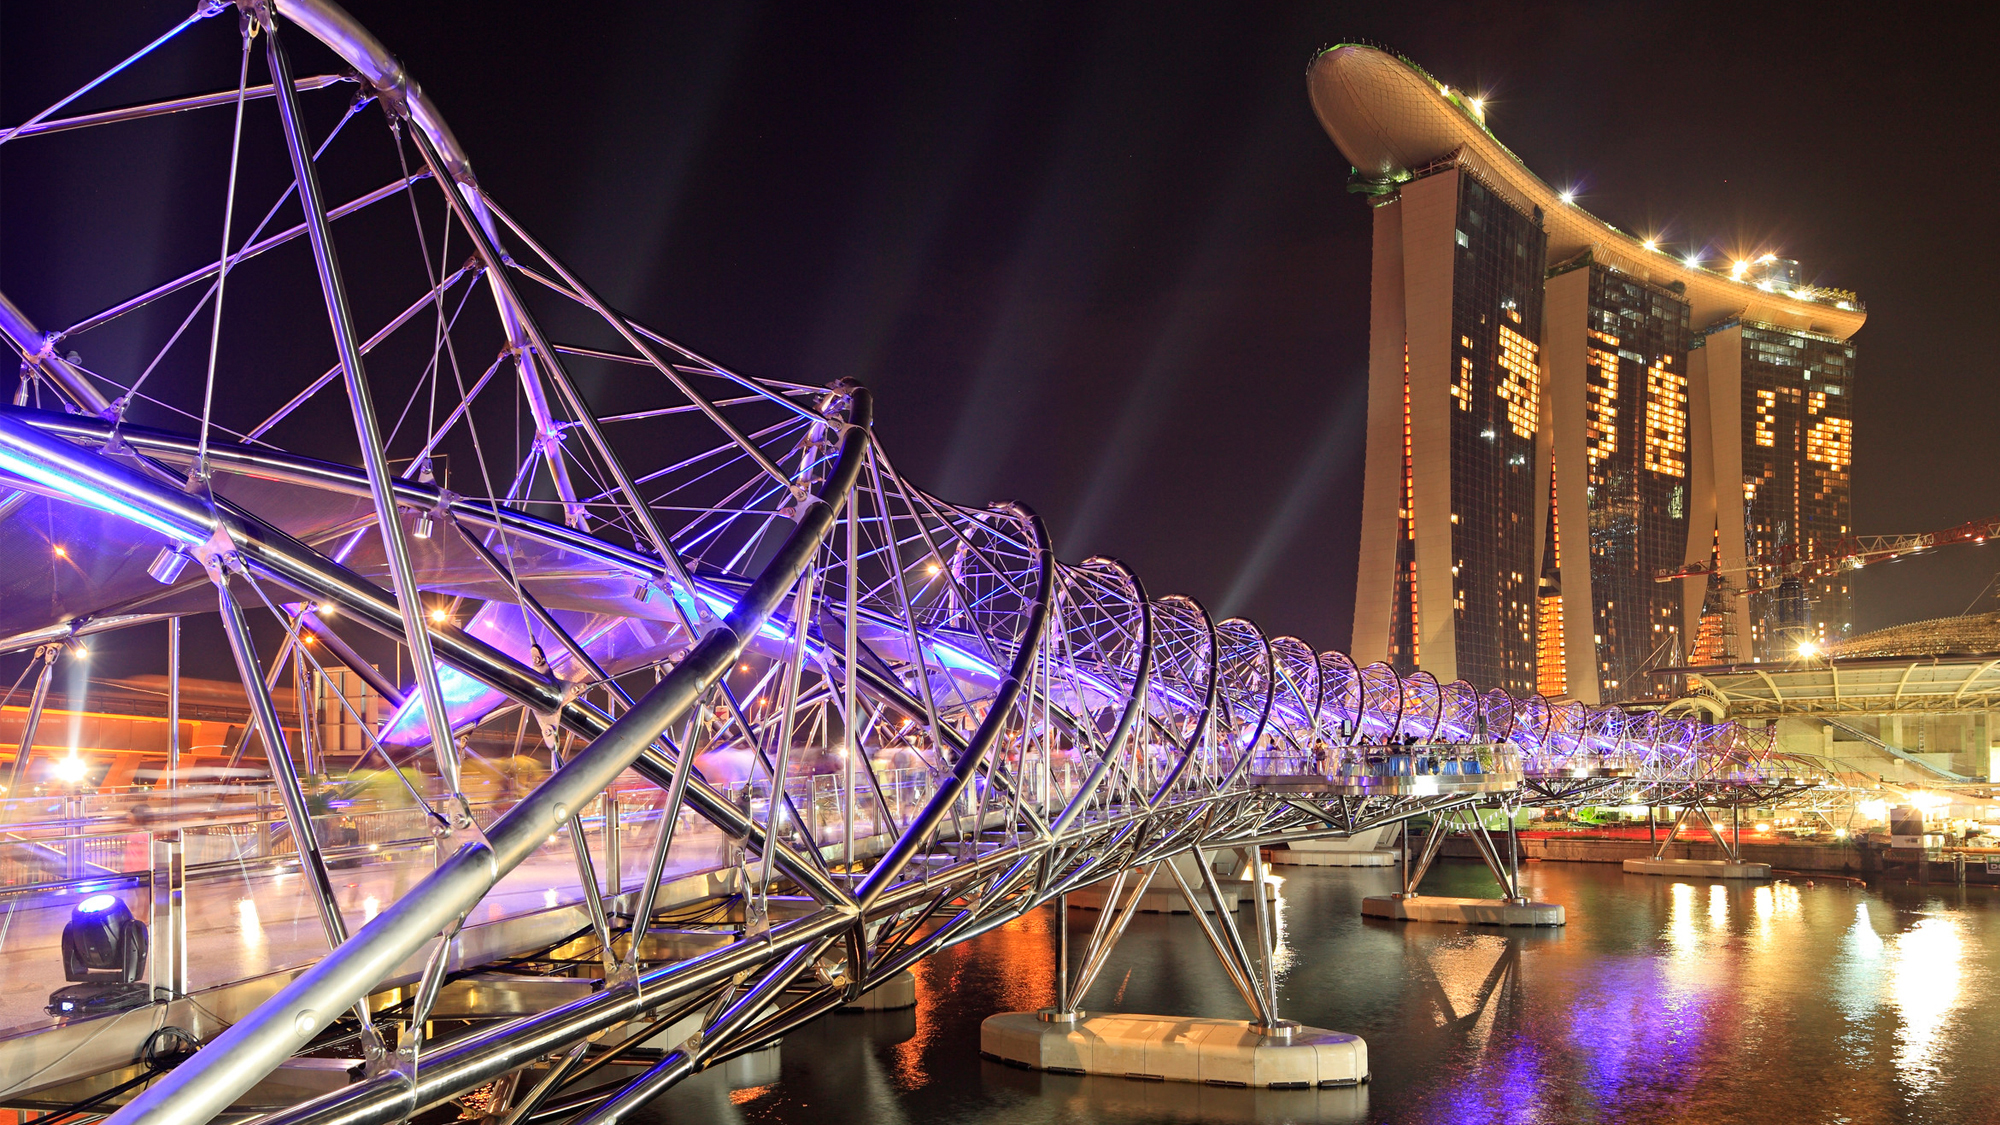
1601,404
1522,389
1831,442
1666,420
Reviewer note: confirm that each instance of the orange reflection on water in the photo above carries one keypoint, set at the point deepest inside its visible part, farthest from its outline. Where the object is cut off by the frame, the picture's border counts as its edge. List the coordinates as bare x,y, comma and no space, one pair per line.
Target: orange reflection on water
1017,962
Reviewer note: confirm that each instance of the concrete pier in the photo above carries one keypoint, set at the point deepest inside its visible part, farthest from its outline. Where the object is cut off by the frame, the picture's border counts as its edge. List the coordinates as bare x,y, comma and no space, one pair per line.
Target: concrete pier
1463,911
1698,868
1176,1049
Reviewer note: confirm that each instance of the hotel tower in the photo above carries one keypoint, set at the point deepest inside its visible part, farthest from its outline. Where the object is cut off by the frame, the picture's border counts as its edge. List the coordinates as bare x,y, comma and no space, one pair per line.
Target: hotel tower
1559,411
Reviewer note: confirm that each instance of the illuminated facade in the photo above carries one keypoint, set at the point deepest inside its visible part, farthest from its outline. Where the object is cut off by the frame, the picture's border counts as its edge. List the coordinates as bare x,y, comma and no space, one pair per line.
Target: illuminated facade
1540,379
1793,390
1618,421
1455,407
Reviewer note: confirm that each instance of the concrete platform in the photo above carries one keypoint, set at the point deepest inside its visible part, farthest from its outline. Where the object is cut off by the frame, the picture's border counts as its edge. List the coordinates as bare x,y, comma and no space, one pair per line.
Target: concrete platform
1464,911
1698,868
1176,1049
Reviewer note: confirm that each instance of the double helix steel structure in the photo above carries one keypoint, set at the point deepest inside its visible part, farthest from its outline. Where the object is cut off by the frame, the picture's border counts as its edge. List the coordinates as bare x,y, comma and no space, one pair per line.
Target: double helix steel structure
906,719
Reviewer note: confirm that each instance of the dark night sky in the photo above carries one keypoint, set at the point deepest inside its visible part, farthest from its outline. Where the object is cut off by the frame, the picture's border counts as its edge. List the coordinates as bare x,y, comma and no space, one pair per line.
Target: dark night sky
1101,259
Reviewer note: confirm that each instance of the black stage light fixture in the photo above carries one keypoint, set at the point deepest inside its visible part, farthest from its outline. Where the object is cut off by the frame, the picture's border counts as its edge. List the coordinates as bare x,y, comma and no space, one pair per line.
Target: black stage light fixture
104,952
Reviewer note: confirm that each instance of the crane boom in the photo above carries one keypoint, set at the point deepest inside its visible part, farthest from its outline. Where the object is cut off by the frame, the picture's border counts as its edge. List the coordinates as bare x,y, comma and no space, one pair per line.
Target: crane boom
1847,553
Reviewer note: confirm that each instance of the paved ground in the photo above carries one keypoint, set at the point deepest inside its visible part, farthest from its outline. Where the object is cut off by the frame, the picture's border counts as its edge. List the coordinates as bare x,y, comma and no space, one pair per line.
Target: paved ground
243,922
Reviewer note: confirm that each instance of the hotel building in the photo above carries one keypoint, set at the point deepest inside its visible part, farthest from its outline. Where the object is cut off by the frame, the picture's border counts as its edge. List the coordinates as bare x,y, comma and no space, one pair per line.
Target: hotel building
1558,411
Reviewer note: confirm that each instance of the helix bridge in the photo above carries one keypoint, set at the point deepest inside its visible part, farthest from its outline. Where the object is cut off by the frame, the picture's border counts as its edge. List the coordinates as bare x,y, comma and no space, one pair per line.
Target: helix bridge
773,677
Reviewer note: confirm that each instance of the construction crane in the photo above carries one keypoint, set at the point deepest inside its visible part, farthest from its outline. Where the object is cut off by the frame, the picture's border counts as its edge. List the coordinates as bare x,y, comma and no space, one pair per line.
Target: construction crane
1848,553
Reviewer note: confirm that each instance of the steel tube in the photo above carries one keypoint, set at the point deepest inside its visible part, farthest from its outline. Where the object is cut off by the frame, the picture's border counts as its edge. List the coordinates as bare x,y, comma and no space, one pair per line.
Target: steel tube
1128,716
172,105
524,330
80,627
173,702
1267,937
409,596
670,815
491,1052
1226,921
39,353
276,1029
1243,986
93,480
34,720
1004,699
264,714
1062,954
1098,955
678,1065
1207,709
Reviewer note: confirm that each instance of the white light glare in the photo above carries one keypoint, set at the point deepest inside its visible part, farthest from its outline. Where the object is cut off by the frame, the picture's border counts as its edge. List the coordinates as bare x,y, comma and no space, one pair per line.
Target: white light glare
1567,197
1650,244
1692,261
1808,650
69,770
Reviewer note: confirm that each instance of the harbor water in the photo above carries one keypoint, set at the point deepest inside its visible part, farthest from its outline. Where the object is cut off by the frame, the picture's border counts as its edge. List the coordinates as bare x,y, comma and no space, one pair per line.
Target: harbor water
1793,1001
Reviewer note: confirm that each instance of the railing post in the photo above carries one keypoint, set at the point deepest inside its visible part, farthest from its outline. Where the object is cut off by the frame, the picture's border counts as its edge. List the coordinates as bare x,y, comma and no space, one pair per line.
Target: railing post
169,914
173,702
614,875
73,848
1062,1006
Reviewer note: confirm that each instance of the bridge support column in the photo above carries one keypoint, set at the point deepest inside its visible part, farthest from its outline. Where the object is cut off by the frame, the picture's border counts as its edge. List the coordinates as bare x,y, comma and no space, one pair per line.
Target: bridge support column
1730,866
1262,1051
1511,909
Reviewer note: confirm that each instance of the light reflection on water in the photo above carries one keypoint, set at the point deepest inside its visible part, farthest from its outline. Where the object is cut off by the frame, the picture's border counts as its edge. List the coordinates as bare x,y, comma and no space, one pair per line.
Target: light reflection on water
1925,977
1661,1001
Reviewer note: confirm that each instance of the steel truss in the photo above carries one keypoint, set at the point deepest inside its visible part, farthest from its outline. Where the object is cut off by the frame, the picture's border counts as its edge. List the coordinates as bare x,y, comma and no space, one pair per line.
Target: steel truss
652,563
